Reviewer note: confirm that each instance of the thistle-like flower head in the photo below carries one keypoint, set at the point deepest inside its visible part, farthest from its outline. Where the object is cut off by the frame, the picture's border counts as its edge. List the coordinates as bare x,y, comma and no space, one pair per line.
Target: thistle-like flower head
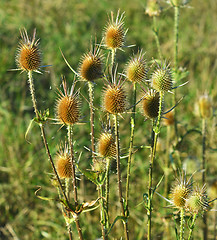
106,145
63,163
153,8
162,79
91,65
136,68
114,33
28,57
181,191
150,104
67,106
114,97
198,201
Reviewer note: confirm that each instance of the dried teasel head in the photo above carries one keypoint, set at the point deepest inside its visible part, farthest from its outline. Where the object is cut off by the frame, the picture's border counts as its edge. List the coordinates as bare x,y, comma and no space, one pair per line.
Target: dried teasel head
91,65
181,191
153,8
106,145
150,104
136,68
28,56
67,106
168,119
205,106
99,165
114,97
63,163
198,201
114,33
162,79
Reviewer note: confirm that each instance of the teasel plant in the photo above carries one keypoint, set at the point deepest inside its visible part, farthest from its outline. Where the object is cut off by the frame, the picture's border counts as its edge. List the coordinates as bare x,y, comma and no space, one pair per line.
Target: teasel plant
114,102
29,59
205,107
67,114
161,81
136,73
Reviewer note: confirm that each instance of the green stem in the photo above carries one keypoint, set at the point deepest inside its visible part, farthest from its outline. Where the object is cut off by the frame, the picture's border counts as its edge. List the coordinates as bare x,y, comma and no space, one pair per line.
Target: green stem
119,174
182,220
113,58
155,30
192,226
131,144
70,141
91,97
176,40
102,213
166,172
155,132
107,192
32,91
204,173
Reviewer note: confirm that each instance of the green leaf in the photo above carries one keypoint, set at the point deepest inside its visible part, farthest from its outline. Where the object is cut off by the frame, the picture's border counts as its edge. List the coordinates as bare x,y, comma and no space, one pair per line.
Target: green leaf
91,175
28,129
124,219
44,198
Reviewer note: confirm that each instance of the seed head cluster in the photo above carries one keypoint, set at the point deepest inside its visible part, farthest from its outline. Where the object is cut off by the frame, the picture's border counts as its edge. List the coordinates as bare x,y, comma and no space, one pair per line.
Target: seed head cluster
136,69
28,57
67,107
63,163
150,104
162,80
91,66
106,145
114,34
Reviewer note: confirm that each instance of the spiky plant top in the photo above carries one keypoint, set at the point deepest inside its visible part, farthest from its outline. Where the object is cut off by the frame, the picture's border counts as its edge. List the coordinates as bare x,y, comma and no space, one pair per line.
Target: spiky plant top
91,65
114,33
106,145
150,104
153,8
205,106
162,79
67,106
136,69
114,97
63,163
181,191
198,201
99,165
28,57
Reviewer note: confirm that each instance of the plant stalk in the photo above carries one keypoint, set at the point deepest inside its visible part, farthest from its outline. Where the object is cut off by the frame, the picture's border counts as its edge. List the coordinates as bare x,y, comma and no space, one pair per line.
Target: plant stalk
70,141
102,213
155,31
126,231
155,132
182,220
192,226
107,192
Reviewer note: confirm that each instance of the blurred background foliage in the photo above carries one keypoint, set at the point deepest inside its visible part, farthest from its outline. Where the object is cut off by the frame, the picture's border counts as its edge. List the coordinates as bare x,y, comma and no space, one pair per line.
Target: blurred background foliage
70,25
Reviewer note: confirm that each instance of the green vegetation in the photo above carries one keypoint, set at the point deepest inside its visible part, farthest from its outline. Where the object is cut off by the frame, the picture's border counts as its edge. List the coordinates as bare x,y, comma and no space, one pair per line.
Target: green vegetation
72,26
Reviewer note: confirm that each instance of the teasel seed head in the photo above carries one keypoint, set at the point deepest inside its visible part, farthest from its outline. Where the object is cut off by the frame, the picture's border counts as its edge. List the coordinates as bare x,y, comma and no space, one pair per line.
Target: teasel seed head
67,106
91,65
99,165
136,69
150,104
106,145
114,33
169,119
63,163
198,201
28,57
205,106
114,99
153,8
162,79
181,191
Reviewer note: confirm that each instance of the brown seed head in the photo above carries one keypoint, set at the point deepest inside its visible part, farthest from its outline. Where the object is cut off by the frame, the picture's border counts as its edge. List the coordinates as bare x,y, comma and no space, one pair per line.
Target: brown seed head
114,99
63,163
181,192
169,118
162,80
198,201
136,69
205,106
106,145
153,8
67,107
150,104
28,57
91,66
114,35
